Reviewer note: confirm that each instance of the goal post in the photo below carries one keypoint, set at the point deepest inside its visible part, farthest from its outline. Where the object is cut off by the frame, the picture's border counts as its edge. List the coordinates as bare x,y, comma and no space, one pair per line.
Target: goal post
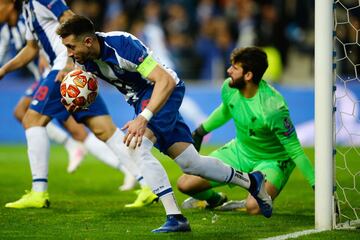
324,102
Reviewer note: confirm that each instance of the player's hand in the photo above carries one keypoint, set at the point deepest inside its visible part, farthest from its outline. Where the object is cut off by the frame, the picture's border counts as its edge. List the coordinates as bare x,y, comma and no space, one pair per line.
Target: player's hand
135,131
198,136
62,73
71,108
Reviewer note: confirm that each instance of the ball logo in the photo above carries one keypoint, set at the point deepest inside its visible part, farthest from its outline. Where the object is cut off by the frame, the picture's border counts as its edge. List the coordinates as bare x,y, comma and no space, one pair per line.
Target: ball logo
80,81
73,91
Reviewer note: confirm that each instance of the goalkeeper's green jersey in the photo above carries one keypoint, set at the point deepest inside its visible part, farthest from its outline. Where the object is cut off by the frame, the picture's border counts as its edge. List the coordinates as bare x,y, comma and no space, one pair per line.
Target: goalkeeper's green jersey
264,131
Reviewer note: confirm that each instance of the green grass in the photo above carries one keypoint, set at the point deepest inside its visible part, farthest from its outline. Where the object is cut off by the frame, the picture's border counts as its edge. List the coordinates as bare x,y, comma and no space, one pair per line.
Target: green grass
88,205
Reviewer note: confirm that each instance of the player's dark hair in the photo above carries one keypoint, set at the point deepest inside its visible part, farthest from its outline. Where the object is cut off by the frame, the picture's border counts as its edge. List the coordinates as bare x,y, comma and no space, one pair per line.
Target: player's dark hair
252,59
76,25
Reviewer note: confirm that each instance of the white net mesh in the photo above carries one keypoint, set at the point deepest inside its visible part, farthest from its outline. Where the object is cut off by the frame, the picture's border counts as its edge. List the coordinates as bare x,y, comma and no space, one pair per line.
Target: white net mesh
347,59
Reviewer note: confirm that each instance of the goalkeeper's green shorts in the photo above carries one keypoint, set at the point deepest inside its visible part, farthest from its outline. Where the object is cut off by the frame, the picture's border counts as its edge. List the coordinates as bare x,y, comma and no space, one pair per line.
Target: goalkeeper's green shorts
277,172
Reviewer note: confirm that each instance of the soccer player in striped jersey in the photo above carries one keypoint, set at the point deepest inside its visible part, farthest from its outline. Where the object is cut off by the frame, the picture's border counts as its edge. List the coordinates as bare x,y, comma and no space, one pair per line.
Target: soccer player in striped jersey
265,136
156,94
42,18
12,32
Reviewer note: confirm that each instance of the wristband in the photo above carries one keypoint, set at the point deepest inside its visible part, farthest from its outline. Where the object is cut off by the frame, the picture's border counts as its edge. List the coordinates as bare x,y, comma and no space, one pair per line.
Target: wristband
147,114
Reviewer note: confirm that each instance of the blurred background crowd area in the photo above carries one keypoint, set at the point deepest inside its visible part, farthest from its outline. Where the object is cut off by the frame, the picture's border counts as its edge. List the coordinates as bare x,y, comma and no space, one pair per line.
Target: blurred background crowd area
196,37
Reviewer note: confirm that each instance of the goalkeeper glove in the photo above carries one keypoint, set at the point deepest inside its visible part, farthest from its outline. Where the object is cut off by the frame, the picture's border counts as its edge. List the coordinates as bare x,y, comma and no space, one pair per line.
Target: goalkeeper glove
198,136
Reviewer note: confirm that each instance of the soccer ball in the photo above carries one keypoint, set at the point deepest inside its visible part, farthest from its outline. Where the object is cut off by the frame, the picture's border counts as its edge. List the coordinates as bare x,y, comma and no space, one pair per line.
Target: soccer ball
79,88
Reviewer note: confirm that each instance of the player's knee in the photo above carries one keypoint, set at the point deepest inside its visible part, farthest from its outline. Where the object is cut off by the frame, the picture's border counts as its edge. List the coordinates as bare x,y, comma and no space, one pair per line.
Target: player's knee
189,161
34,119
183,184
103,130
19,114
252,207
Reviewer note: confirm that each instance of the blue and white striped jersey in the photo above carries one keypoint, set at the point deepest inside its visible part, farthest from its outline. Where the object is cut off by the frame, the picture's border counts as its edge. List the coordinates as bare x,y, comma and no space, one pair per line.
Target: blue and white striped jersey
15,36
121,54
41,17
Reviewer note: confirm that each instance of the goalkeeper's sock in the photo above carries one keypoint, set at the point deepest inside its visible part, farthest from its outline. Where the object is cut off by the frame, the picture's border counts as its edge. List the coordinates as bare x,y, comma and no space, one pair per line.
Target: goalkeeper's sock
210,196
38,147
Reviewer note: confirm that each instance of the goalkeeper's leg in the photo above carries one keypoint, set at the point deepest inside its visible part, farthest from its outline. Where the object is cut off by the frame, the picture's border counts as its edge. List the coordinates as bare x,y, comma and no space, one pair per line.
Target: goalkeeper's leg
200,191
211,168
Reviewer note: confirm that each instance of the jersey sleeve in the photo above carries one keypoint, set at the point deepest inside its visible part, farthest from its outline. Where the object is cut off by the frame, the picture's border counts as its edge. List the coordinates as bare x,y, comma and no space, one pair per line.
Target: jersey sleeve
217,118
57,7
130,52
280,123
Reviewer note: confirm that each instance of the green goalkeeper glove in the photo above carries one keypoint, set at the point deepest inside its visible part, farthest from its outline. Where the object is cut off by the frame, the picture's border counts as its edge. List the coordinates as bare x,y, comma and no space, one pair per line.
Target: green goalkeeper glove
198,136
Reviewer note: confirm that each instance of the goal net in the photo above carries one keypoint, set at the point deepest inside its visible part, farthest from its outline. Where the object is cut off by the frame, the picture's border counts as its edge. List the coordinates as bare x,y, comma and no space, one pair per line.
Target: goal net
347,121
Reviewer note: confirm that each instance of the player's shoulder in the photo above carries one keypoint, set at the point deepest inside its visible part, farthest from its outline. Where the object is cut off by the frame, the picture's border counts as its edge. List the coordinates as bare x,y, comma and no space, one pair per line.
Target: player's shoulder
114,36
271,99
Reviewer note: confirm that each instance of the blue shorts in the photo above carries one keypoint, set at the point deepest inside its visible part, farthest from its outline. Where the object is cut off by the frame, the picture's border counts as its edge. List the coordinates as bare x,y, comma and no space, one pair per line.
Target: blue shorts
167,124
30,91
46,101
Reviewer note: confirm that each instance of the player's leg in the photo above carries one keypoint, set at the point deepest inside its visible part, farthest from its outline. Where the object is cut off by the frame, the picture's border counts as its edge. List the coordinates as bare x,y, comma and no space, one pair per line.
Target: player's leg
44,106
200,189
105,130
201,192
55,133
191,162
21,107
38,153
277,174
157,178
97,148
251,204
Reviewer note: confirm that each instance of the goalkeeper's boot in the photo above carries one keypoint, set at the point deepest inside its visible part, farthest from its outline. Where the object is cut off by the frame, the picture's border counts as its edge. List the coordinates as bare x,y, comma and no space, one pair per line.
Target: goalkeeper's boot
233,205
258,191
191,203
174,223
76,152
145,197
31,199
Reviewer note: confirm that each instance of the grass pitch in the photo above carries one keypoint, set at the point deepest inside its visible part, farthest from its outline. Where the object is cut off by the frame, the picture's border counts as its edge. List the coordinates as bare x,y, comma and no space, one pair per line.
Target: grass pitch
88,205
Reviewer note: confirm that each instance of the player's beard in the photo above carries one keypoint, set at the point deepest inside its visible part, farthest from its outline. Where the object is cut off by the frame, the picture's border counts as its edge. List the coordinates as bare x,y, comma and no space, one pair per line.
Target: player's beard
238,83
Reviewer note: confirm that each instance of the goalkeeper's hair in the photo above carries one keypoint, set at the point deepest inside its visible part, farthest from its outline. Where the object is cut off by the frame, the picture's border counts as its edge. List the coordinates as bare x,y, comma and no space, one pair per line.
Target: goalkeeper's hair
76,25
252,59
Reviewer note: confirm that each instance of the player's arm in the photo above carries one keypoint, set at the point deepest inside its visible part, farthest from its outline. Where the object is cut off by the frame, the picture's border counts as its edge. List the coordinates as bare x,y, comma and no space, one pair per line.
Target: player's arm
4,41
65,16
70,62
164,85
217,118
26,55
285,131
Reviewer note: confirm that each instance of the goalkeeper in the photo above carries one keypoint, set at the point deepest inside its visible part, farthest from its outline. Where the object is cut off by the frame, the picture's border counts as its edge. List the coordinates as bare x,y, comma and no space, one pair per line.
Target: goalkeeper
265,140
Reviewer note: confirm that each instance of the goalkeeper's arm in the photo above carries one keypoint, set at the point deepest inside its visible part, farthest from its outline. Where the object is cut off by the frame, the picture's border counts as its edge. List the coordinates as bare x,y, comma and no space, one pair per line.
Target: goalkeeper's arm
217,118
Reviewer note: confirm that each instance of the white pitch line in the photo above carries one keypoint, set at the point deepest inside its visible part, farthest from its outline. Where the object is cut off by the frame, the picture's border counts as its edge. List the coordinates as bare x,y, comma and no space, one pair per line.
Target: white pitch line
294,234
